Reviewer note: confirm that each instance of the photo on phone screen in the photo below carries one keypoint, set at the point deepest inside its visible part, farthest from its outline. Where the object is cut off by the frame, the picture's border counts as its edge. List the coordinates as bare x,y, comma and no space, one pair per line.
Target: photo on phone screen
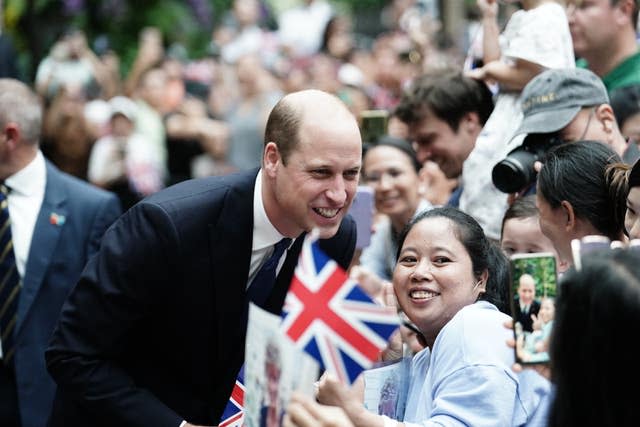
533,292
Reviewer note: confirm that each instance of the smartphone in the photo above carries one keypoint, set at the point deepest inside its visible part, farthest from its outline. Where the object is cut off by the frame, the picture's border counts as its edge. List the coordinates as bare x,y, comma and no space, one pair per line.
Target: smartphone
362,212
534,281
588,244
373,125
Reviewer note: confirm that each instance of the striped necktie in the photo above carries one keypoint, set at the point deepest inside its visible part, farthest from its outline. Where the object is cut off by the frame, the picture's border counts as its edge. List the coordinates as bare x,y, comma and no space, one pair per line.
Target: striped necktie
10,282
262,284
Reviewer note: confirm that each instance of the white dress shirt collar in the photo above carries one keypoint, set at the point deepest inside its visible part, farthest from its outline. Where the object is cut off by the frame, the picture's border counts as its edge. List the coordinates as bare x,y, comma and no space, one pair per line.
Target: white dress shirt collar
31,179
264,232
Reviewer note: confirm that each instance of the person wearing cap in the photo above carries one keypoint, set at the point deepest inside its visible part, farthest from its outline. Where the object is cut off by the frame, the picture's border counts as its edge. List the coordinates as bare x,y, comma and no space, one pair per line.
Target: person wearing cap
604,34
573,105
124,161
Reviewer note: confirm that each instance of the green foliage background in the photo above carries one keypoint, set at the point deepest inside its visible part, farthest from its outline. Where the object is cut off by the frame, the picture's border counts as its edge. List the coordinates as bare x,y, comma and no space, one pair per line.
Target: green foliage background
34,25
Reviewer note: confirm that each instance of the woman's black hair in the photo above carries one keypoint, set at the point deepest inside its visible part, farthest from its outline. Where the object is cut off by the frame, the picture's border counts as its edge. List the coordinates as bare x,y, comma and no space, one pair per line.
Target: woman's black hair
592,342
397,143
588,175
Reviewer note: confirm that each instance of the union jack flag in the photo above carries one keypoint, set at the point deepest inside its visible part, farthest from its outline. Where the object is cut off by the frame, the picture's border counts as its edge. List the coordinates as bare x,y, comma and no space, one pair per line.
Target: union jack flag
329,316
233,415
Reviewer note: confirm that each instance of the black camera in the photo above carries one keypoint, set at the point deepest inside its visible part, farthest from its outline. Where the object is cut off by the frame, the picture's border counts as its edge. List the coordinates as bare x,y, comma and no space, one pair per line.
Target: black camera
516,172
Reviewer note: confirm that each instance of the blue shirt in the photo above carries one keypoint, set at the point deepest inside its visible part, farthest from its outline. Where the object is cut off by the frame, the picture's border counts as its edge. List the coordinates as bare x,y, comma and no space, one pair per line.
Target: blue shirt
467,379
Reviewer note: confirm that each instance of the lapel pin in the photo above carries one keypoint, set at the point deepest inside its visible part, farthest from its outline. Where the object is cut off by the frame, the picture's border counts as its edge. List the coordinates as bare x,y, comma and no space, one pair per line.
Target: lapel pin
56,219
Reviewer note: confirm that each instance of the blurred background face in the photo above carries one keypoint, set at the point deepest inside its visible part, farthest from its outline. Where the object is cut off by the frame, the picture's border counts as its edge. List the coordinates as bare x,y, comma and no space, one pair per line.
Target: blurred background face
547,310
394,180
121,127
246,12
526,289
523,235
153,88
632,216
590,22
435,140
631,128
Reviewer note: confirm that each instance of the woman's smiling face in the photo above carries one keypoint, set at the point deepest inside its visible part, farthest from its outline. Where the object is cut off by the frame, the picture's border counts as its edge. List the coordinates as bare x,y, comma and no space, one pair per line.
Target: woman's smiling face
434,278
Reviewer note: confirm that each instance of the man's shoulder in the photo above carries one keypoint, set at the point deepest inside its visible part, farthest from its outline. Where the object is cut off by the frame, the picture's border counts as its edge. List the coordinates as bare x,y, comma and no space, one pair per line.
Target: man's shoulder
75,188
240,183
625,73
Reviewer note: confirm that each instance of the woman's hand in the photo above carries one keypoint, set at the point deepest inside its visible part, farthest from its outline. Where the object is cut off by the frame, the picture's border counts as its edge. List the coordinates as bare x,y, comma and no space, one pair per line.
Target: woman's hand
304,412
540,368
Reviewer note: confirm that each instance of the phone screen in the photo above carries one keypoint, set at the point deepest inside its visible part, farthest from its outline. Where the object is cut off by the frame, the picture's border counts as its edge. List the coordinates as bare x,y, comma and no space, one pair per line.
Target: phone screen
373,125
533,291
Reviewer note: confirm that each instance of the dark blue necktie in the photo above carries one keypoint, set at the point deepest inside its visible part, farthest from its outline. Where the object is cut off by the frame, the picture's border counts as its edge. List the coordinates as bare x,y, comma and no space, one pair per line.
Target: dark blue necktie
10,282
262,284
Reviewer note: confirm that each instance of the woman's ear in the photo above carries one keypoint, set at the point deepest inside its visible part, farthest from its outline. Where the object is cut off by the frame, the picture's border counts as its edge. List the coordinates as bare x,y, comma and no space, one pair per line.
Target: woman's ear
481,282
569,215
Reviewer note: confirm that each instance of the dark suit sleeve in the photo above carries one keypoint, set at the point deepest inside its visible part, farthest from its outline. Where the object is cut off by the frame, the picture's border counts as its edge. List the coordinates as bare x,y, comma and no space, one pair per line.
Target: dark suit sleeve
118,287
106,214
342,246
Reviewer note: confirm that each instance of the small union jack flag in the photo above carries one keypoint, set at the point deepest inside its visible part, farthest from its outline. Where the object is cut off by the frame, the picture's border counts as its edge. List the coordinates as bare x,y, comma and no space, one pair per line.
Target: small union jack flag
330,317
233,415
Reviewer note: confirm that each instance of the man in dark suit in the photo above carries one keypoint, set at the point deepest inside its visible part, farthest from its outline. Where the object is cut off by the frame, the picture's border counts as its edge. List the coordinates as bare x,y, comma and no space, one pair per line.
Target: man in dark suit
153,333
526,303
56,223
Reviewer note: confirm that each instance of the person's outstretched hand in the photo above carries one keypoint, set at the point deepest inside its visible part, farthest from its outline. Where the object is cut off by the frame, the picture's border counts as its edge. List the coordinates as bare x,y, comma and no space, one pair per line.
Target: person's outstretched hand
304,412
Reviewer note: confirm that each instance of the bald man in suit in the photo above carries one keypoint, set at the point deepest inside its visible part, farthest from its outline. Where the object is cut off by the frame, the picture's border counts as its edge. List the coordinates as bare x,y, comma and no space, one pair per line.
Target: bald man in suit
153,334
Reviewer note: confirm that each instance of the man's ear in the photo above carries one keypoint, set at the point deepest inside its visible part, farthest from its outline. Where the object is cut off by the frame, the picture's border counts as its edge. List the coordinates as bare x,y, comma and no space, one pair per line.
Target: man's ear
605,115
271,158
470,122
624,12
570,215
12,134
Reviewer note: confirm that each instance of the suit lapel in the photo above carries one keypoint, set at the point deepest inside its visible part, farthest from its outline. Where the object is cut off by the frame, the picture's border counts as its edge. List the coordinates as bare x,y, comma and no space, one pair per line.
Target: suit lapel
231,239
46,234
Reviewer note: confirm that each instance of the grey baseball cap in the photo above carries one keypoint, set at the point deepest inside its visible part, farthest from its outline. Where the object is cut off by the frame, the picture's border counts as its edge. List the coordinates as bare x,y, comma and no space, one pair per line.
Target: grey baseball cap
553,98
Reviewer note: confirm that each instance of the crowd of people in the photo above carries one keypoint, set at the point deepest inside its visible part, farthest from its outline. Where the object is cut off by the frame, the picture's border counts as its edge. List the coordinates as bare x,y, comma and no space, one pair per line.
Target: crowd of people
139,213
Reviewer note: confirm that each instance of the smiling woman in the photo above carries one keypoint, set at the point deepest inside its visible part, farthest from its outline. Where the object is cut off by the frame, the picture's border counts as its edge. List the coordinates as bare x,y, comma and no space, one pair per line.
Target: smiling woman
390,168
451,282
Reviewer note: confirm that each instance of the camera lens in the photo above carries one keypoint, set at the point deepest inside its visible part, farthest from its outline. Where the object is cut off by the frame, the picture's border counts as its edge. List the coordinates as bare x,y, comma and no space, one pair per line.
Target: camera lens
515,172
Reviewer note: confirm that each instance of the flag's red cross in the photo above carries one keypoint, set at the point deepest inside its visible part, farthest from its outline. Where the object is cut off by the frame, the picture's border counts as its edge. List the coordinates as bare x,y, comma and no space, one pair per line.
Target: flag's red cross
237,399
316,307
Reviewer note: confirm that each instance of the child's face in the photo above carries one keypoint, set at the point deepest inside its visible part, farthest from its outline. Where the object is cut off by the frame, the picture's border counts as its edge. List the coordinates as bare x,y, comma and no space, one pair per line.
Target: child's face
121,126
523,235
547,310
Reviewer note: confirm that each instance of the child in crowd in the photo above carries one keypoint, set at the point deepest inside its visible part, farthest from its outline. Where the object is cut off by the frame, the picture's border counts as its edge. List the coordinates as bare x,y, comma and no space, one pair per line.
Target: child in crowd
535,38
